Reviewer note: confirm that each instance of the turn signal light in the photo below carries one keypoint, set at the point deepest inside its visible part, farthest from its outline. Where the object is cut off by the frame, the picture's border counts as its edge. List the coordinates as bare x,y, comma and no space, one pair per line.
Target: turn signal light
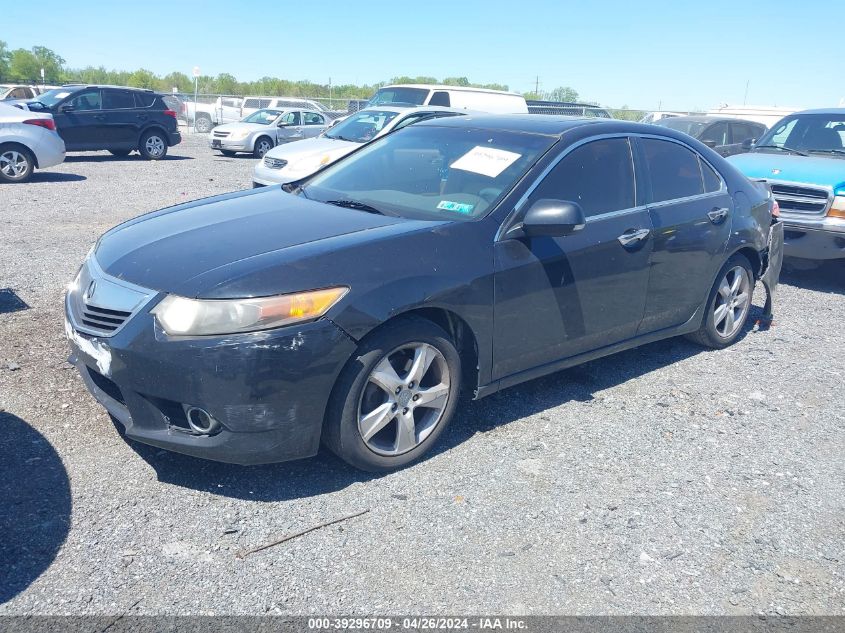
49,124
170,113
775,209
837,209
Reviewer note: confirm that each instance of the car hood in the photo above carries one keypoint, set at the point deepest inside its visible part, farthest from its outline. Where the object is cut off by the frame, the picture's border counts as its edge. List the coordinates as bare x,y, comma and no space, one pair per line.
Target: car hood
815,170
165,250
312,148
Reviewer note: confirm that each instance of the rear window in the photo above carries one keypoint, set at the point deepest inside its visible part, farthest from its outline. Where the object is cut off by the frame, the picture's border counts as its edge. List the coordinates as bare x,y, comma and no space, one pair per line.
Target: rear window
144,99
674,169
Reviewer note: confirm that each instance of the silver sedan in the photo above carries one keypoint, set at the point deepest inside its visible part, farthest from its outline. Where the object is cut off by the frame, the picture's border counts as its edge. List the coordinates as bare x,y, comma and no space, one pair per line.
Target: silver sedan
262,130
27,139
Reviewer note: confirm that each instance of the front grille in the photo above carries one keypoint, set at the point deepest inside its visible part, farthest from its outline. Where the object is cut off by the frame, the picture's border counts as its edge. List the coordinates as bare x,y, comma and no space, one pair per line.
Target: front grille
103,318
221,134
106,385
274,163
800,199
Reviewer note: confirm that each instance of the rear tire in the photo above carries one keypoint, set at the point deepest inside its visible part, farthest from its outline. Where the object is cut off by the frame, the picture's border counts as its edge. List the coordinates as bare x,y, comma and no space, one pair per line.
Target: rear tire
399,390
203,124
728,305
263,144
16,163
153,145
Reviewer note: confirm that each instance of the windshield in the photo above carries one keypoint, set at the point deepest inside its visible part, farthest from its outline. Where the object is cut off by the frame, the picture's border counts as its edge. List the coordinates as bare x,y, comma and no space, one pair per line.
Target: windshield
693,128
823,133
430,172
52,97
362,126
263,117
411,96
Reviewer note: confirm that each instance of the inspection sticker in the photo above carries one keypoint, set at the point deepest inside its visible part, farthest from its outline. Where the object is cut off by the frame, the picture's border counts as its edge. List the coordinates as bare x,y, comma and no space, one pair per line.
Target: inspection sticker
487,161
457,207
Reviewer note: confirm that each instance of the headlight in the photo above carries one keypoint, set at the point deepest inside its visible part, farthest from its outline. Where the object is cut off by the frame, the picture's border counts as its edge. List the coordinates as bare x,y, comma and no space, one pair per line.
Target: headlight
837,209
180,316
239,135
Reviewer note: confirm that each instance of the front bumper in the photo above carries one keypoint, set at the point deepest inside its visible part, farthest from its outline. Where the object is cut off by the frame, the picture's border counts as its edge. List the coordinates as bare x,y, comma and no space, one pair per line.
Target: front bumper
268,390
819,239
241,145
264,176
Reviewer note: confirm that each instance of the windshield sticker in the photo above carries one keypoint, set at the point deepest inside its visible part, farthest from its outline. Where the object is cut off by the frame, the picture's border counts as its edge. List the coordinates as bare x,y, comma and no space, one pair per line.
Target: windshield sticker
486,161
457,207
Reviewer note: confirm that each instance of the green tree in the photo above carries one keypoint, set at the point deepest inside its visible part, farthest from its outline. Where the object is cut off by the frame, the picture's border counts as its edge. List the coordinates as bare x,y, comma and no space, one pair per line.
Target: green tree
562,93
226,84
177,80
456,81
4,60
142,78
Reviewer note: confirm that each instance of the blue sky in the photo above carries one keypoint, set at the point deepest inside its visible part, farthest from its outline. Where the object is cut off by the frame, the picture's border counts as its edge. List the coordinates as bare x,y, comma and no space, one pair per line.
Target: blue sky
680,54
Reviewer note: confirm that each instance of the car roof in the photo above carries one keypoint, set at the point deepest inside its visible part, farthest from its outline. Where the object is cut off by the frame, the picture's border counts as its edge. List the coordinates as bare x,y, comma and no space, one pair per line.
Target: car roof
85,86
445,87
837,111
700,118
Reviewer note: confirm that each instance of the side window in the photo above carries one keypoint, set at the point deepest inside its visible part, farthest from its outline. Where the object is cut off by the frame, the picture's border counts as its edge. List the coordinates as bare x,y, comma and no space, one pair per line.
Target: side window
440,98
118,100
712,182
744,132
599,176
264,103
145,99
674,169
783,132
718,133
292,118
17,93
312,118
84,101
251,103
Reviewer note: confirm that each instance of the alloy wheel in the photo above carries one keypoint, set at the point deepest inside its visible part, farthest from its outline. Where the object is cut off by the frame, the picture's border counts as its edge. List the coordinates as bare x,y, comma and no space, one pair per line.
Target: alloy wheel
13,164
733,300
154,145
404,399
264,146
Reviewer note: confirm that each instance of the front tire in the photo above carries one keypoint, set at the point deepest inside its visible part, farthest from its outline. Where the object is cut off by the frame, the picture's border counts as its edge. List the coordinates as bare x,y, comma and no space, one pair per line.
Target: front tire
263,144
16,163
153,145
728,305
395,397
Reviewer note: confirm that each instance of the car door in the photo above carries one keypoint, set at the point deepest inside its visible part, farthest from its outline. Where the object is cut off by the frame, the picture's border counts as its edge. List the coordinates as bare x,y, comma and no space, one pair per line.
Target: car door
312,124
79,120
289,127
743,134
557,297
122,121
690,210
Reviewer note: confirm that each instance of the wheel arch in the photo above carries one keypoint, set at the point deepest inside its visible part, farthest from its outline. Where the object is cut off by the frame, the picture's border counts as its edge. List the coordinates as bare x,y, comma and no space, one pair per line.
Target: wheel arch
261,136
155,127
24,147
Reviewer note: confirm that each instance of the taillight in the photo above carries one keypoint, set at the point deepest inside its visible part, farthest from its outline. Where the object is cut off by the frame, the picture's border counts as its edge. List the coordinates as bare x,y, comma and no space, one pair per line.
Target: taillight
775,209
49,124
170,113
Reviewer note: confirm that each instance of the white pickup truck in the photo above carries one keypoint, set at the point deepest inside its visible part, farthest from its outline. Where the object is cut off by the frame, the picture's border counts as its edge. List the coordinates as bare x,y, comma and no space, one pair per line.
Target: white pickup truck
207,115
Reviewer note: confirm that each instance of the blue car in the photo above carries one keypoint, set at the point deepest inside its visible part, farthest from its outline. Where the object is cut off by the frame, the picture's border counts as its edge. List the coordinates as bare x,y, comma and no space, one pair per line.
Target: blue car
803,159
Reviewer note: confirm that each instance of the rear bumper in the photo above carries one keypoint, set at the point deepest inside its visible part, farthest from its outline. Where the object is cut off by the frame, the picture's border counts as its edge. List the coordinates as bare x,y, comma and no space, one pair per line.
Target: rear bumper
268,390
174,138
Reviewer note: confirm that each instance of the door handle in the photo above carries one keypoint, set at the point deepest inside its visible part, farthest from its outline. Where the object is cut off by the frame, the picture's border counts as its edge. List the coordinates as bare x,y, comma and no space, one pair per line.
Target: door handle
633,237
717,215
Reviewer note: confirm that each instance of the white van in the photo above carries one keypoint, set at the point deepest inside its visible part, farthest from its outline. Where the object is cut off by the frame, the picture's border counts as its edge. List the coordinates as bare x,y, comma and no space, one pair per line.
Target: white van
478,99
766,115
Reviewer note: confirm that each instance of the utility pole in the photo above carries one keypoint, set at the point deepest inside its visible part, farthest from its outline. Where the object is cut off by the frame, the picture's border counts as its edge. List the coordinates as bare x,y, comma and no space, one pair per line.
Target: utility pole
330,93
537,86
745,98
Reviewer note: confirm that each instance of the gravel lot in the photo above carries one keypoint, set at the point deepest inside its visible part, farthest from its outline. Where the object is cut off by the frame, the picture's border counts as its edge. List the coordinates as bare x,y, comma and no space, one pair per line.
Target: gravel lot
665,480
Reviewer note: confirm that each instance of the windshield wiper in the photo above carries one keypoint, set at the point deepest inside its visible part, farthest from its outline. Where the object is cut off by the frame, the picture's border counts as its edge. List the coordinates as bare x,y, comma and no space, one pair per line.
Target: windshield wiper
829,151
783,148
343,138
352,204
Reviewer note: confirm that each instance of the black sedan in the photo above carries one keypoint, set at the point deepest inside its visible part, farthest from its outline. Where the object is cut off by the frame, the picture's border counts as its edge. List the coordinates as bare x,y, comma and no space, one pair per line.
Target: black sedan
354,306
727,136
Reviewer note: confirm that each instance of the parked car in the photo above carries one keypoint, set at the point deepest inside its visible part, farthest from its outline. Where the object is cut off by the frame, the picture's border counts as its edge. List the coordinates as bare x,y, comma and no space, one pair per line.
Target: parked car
27,140
251,104
302,158
113,118
802,158
17,91
765,115
727,136
567,109
464,253
207,115
654,117
262,130
477,99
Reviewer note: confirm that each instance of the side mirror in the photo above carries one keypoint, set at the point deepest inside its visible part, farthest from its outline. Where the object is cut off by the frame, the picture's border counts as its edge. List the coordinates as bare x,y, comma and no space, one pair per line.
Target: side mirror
553,218
748,144
66,107
710,144
282,124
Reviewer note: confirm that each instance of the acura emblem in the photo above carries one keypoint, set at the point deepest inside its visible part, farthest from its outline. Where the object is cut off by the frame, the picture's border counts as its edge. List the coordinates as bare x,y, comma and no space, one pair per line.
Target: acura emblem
89,292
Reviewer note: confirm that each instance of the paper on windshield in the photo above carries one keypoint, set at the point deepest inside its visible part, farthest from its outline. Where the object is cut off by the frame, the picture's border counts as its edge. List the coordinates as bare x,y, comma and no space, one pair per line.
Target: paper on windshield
487,161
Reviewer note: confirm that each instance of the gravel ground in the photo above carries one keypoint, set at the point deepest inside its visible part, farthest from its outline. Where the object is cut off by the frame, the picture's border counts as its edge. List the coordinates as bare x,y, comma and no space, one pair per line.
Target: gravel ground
664,480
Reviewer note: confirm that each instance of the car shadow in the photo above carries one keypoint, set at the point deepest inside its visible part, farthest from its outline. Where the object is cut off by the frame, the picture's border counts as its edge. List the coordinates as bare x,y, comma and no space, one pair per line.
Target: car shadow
47,176
827,276
325,473
35,505
109,158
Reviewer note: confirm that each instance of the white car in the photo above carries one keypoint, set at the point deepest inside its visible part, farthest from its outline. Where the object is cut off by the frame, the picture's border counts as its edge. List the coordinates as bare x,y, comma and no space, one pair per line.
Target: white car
303,158
27,140
262,130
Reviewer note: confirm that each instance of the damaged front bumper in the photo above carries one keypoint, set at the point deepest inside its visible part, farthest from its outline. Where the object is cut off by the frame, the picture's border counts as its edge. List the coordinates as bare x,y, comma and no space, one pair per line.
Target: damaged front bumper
268,390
